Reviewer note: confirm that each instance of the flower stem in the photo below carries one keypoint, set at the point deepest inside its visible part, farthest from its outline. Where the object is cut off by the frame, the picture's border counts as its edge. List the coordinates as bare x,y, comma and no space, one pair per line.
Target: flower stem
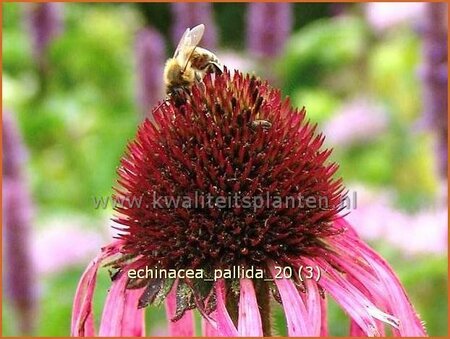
263,297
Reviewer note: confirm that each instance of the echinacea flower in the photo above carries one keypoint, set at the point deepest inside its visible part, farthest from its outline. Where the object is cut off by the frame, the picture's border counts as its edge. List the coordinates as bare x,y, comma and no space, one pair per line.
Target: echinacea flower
233,136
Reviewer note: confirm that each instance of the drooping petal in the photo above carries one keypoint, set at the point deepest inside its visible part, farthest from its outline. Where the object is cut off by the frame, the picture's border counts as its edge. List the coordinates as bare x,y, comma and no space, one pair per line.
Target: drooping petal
110,324
183,327
133,317
355,330
324,318
207,329
383,284
225,326
365,289
296,314
360,275
249,317
360,309
354,308
313,306
398,302
82,316
359,271
121,315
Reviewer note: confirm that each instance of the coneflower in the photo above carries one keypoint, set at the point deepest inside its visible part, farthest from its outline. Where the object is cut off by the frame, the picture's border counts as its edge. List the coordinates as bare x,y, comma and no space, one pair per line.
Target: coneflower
268,27
150,54
189,14
19,271
235,137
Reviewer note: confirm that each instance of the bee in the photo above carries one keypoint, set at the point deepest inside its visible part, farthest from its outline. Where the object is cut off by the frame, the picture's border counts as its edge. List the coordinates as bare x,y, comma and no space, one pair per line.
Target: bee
189,63
265,124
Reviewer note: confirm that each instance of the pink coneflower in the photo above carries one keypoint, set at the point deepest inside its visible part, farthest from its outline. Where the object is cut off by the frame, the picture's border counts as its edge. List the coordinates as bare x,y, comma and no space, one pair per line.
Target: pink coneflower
211,145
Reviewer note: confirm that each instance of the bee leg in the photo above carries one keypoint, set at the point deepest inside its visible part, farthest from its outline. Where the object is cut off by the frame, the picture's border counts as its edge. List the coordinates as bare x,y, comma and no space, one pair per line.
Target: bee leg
265,124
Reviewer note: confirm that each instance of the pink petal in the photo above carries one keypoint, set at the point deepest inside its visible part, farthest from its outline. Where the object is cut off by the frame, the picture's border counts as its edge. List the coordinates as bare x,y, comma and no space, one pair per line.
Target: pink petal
323,314
387,287
355,330
374,297
296,314
121,316
133,320
249,316
113,312
360,309
361,275
82,316
355,309
183,327
313,306
396,299
225,326
360,271
207,329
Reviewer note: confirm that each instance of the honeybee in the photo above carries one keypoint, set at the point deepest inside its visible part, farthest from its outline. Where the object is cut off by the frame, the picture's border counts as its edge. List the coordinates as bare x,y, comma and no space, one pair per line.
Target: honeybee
265,124
189,63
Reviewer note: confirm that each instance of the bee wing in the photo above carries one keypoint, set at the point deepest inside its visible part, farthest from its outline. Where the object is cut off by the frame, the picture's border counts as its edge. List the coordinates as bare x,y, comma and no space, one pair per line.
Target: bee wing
195,35
189,40
182,43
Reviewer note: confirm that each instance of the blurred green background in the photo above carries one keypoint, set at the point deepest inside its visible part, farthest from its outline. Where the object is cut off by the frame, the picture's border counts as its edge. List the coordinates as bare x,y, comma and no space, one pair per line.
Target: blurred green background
77,116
